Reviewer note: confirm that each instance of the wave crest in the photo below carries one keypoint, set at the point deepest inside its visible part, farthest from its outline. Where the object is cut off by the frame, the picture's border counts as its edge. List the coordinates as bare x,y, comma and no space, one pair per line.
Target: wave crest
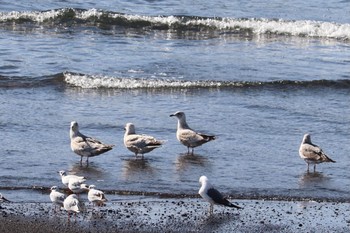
95,81
109,20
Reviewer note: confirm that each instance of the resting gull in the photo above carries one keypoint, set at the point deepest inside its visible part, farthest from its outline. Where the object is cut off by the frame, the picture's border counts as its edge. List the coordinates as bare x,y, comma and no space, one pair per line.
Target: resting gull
213,196
56,197
187,136
311,153
85,146
139,144
97,197
65,178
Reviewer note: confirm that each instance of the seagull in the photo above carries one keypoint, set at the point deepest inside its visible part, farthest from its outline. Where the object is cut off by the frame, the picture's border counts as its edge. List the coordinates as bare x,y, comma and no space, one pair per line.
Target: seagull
311,153
65,178
139,143
56,197
85,146
77,186
213,196
72,204
188,136
96,196
3,199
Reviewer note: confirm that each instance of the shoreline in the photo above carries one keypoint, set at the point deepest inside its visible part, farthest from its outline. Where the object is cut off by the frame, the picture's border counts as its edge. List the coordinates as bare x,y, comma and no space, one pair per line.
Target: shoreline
179,215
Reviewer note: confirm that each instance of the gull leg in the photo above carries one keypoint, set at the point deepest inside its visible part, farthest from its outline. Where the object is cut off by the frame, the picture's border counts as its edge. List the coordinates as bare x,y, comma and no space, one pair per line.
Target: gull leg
81,160
211,209
87,161
315,167
308,167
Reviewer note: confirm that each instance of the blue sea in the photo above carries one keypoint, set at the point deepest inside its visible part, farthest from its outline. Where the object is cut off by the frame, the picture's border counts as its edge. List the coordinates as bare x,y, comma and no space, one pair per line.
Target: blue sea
257,74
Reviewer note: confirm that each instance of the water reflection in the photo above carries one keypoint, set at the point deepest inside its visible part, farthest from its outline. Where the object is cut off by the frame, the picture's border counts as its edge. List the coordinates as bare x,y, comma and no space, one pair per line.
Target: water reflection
137,168
185,161
311,179
93,170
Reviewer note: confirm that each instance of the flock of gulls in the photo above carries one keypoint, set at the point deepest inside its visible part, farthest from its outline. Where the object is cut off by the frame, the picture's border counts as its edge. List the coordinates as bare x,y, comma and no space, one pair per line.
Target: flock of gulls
85,146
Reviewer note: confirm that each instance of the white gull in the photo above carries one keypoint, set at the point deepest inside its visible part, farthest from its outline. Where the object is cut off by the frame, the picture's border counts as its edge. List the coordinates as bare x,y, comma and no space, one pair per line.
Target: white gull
56,197
65,177
77,186
97,197
73,205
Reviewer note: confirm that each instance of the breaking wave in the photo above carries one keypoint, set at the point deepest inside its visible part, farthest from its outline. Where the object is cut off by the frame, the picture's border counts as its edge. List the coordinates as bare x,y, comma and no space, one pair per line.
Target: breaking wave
85,81
110,20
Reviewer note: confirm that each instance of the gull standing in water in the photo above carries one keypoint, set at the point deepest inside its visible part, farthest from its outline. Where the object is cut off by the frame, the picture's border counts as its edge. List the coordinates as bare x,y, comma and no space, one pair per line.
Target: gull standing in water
187,136
137,143
65,178
311,153
85,146
56,197
213,196
97,197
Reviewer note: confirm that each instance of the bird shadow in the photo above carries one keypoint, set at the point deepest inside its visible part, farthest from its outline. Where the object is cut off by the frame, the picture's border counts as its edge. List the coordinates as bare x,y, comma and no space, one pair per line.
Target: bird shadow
184,161
214,221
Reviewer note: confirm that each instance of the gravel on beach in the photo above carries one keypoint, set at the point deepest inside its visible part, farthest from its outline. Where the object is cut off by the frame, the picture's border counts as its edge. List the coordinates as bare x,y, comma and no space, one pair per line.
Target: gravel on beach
179,215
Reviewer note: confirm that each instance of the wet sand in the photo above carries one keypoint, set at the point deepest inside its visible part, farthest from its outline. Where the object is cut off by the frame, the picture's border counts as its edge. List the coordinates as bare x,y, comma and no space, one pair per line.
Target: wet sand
179,215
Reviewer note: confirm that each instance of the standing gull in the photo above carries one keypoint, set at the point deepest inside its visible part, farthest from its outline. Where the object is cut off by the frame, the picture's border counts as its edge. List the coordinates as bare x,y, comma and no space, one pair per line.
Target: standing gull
213,196
187,136
65,178
3,199
77,186
56,197
97,197
311,153
85,146
139,144
72,204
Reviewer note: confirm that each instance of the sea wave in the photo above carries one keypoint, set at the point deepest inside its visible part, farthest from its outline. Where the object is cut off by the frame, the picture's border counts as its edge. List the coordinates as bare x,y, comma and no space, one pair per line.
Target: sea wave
95,81
87,81
109,20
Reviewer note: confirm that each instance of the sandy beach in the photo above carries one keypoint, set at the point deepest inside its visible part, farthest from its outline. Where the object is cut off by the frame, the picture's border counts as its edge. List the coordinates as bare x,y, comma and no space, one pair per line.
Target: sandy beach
179,215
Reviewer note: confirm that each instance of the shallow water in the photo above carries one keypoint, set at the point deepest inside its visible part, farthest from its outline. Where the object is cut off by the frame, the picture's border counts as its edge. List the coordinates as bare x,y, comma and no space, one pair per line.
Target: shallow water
258,84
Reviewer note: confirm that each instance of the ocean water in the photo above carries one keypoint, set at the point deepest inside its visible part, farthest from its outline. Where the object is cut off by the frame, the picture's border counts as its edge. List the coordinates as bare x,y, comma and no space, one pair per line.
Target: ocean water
257,74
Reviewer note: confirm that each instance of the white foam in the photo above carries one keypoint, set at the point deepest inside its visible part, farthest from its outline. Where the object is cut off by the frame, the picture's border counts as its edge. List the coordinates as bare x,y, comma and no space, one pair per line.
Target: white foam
305,28
94,81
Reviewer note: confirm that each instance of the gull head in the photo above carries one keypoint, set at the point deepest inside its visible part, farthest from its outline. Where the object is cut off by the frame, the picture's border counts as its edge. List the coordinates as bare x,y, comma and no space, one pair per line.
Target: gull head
179,115
92,186
74,126
129,128
203,179
307,138
54,188
62,173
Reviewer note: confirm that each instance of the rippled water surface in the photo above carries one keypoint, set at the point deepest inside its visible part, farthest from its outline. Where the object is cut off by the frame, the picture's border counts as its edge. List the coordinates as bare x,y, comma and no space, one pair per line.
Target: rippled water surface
258,75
